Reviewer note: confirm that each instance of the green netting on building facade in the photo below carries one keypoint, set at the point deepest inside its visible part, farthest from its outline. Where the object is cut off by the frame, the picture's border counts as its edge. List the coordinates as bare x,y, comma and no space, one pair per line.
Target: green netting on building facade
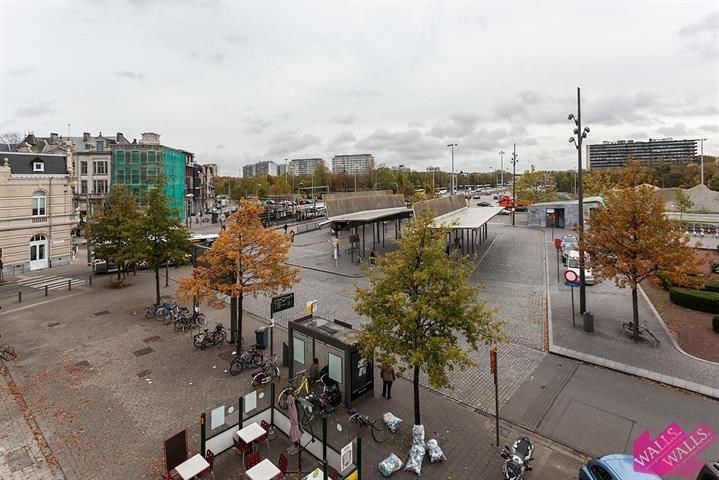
140,167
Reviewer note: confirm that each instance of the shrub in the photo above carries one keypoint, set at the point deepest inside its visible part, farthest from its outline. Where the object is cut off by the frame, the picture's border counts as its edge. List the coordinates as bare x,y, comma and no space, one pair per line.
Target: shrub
712,286
715,324
715,266
702,300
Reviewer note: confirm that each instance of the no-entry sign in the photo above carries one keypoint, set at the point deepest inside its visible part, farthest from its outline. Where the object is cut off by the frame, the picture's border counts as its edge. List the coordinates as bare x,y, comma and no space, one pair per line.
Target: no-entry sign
571,276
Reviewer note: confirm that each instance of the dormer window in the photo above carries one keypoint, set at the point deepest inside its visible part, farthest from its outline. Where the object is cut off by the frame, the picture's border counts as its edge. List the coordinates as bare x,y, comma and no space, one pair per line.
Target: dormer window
38,166
100,145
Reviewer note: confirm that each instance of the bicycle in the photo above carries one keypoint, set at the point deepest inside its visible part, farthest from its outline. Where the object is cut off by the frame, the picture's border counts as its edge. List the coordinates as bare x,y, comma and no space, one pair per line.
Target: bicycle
629,329
250,359
302,387
269,371
185,319
7,352
376,425
313,405
217,337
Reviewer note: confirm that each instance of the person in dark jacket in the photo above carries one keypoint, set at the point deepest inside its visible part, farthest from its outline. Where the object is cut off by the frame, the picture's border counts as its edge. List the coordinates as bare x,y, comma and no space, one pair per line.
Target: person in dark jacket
388,376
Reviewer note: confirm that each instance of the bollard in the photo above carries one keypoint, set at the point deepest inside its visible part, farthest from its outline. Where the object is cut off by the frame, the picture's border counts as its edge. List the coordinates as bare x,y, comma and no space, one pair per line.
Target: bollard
91,280
46,290
19,297
69,285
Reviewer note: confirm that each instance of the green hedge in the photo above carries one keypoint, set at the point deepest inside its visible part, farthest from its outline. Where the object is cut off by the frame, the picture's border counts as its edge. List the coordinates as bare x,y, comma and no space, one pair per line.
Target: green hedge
701,300
712,286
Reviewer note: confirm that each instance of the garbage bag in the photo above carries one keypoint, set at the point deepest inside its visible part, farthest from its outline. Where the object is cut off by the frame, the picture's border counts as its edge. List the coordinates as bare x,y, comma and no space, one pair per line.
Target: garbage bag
391,421
435,453
390,465
416,456
418,435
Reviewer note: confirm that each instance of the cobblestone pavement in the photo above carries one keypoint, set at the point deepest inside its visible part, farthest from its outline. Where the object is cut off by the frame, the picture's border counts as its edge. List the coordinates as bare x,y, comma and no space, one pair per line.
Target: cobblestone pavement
24,454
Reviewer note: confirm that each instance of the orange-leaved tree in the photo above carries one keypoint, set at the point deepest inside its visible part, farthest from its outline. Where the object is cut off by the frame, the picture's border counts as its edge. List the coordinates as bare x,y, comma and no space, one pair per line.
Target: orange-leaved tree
246,259
630,240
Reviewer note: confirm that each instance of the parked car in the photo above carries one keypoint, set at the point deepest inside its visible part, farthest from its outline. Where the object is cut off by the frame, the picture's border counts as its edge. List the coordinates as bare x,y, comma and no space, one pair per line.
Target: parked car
100,265
573,265
504,211
613,467
476,197
570,239
484,204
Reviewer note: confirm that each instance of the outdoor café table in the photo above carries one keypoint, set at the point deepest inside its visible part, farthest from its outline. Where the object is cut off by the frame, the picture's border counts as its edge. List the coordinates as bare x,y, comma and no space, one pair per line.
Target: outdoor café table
251,432
265,470
191,467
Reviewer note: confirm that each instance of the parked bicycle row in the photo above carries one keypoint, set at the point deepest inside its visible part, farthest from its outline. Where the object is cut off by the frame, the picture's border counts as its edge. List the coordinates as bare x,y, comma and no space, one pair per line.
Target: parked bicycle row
168,311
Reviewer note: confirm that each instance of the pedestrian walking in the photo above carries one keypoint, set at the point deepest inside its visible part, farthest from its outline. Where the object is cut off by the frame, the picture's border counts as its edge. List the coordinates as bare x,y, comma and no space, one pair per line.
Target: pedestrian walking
388,376
285,228
292,236
372,257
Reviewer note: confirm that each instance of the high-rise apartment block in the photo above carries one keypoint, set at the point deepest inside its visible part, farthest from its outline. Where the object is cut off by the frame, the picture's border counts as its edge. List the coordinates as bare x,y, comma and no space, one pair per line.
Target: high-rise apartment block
260,169
653,152
304,166
360,164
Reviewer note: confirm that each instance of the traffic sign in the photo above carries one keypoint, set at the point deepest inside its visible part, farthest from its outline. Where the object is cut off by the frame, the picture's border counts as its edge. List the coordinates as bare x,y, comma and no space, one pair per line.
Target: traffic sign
571,276
282,302
571,284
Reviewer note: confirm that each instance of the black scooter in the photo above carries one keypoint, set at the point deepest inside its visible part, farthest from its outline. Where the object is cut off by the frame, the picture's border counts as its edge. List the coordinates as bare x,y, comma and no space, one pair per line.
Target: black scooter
516,459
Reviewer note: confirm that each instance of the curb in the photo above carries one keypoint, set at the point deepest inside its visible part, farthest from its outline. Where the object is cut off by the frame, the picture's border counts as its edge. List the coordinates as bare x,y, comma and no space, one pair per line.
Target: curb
669,333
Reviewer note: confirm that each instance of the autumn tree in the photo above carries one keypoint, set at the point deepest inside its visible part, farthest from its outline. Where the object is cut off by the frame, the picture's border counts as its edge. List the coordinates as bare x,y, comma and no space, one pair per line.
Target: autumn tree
160,236
420,305
246,259
536,186
630,240
682,202
598,181
111,233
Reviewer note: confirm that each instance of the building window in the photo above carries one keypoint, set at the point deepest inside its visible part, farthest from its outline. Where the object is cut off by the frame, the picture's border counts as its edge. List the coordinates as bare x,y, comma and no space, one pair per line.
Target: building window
151,157
135,156
38,167
100,145
99,186
119,155
38,204
83,187
99,168
135,177
83,168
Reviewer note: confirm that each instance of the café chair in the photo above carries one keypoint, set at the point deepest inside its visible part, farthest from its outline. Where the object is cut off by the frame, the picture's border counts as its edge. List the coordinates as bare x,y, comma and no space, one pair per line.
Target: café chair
210,457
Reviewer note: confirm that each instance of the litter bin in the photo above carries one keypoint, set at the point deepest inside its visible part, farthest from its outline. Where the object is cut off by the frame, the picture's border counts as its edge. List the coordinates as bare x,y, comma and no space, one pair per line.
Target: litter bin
262,336
588,322
215,216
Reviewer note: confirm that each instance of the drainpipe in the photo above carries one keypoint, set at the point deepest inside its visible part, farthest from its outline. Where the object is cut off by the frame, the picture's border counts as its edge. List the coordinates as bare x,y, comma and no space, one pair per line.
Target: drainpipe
48,211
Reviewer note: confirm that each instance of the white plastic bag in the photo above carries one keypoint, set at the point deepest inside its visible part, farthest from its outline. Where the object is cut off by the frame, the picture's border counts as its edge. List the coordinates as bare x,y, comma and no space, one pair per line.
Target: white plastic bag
390,465
391,421
435,453
416,456
418,435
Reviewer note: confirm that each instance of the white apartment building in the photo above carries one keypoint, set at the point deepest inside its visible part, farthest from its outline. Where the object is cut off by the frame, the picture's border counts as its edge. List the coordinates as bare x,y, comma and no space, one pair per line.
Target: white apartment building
360,164
304,166
260,169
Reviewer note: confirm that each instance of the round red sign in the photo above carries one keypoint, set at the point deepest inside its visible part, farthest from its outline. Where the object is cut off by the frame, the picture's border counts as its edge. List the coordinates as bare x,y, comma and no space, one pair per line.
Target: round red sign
571,276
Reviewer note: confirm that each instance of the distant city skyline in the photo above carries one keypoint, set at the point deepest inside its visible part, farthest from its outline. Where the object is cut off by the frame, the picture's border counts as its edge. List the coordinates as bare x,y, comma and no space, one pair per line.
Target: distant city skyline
400,81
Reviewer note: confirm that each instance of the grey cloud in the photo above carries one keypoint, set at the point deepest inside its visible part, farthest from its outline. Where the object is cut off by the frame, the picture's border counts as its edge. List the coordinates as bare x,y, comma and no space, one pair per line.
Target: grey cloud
17,72
530,141
408,144
702,37
710,128
130,74
678,129
340,140
458,126
484,139
35,110
348,119
291,142
638,135
416,124
220,146
255,124
237,39
362,94
708,23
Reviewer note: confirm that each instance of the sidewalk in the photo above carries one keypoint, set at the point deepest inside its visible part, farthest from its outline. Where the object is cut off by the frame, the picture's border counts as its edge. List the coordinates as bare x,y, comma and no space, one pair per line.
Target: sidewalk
608,346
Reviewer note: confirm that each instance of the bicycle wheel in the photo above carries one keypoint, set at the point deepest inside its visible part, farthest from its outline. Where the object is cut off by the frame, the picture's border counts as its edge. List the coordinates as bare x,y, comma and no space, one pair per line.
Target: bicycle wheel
236,366
150,312
200,320
220,338
379,430
257,359
282,398
308,416
199,340
160,313
257,379
276,372
180,325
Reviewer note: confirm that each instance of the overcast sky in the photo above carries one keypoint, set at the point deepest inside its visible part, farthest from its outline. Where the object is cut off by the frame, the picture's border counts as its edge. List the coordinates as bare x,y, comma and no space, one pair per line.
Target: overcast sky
237,82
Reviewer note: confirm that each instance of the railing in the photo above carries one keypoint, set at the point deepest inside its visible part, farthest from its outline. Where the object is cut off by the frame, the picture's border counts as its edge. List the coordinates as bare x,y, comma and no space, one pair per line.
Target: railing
39,219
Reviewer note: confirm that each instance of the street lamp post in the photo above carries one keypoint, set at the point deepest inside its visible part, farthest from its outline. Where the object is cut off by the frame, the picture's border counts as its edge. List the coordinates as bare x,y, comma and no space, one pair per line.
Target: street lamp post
514,180
501,166
452,180
701,141
581,134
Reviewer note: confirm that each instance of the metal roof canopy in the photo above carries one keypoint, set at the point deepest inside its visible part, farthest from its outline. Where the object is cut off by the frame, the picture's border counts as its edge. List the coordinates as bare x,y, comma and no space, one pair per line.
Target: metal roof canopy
467,217
367,216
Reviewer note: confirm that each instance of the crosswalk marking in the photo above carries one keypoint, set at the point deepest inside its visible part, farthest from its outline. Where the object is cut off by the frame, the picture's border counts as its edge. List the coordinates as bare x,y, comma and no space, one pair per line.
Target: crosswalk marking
53,282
